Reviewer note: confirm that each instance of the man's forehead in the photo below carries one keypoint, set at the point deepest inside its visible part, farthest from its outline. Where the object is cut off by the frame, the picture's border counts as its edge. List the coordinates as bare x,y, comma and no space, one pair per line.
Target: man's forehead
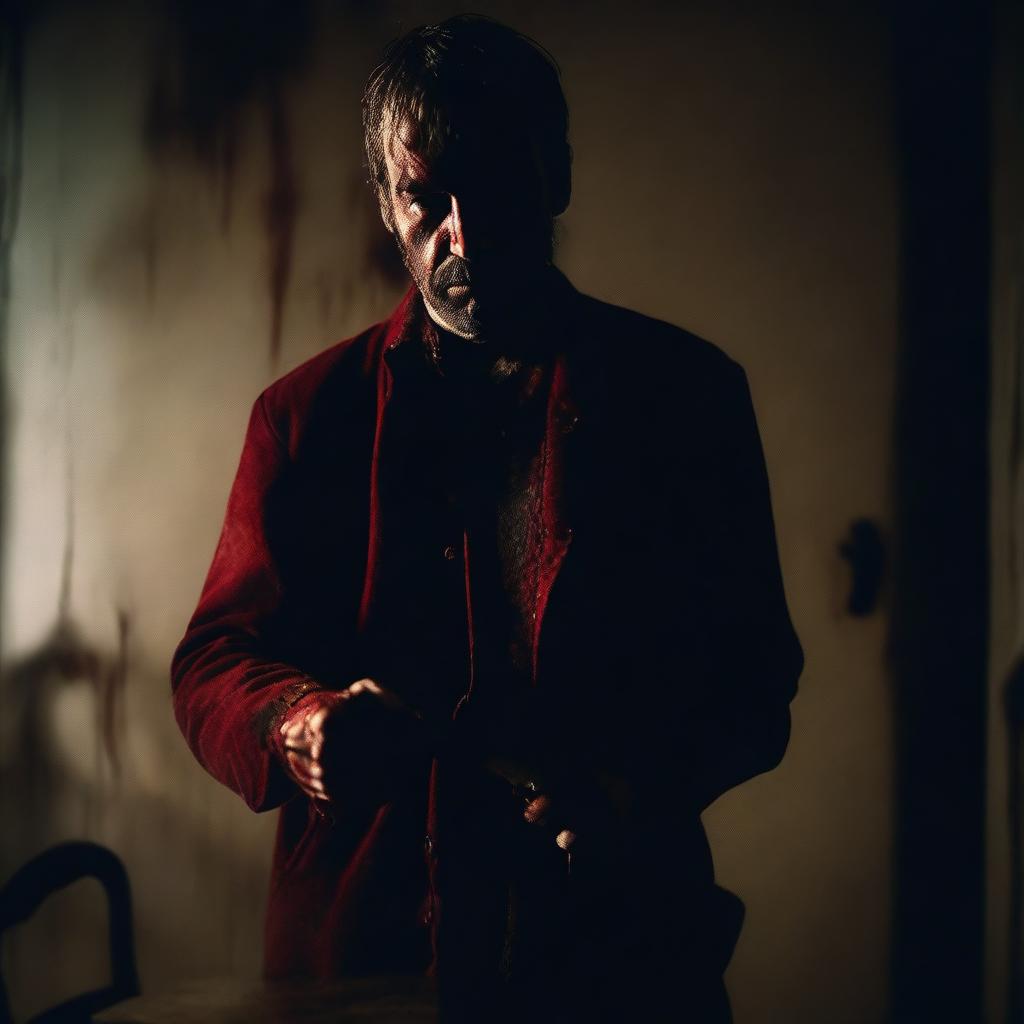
403,163
472,154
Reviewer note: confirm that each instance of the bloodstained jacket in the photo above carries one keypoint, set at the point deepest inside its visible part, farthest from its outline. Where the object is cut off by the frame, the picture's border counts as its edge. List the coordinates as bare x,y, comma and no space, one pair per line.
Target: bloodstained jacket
663,651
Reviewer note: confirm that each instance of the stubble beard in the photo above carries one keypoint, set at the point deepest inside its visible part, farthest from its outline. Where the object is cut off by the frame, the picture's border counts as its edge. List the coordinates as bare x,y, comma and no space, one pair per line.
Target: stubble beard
456,318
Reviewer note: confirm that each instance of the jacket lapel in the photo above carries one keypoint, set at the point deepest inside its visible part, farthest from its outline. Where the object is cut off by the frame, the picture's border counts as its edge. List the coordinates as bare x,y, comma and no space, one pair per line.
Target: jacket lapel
573,449
562,420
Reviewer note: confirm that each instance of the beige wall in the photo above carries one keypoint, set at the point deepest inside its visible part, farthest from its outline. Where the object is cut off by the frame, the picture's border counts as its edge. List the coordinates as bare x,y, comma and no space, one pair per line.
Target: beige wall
734,174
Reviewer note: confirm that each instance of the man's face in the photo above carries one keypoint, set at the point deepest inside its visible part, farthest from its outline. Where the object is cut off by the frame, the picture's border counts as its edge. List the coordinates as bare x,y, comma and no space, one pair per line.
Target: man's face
473,228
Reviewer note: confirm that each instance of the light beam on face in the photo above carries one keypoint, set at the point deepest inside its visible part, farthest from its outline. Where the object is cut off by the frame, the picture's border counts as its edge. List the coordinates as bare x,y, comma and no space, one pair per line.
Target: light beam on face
422,215
472,271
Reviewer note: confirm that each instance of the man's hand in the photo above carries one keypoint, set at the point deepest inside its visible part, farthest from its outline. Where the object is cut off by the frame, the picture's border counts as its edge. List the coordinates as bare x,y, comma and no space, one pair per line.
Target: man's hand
543,811
590,809
352,742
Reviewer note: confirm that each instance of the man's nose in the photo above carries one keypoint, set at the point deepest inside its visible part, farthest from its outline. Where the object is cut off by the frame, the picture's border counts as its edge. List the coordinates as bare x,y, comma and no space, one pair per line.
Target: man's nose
456,229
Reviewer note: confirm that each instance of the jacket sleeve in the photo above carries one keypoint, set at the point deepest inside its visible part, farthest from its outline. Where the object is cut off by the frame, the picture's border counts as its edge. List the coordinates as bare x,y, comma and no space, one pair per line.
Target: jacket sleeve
730,658
229,690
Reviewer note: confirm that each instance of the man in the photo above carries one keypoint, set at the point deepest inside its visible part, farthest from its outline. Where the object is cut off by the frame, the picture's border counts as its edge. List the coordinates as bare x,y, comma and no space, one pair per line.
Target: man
496,610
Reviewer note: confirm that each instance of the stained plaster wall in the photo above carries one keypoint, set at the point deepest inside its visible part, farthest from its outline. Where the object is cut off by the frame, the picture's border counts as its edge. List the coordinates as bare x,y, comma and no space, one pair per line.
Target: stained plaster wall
734,174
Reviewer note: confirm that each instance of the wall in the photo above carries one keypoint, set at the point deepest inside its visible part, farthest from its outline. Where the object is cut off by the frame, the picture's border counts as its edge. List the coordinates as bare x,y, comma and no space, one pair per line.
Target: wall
182,240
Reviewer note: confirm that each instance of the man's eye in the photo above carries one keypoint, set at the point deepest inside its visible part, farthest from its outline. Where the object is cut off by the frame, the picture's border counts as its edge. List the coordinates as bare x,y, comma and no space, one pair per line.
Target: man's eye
428,202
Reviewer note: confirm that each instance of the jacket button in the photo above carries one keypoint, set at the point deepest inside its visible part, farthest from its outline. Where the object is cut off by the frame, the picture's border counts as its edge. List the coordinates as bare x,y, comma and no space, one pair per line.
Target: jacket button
449,552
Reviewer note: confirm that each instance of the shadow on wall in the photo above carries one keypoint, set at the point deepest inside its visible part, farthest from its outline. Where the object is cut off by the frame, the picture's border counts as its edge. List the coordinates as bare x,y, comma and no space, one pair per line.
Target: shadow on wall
63,663
193,891
215,62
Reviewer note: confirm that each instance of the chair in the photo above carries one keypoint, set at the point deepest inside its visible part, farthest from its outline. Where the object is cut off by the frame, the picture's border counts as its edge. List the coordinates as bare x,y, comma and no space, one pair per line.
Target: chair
55,869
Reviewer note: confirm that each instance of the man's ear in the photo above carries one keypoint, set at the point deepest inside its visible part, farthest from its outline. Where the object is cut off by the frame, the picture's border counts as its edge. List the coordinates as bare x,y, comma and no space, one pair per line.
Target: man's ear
387,211
560,187
555,178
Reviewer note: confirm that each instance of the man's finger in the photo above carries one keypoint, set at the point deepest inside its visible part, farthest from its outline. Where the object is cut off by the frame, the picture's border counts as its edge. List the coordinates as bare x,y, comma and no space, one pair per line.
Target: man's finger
305,770
538,810
299,759
315,794
316,719
565,839
294,728
298,762
298,743
316,746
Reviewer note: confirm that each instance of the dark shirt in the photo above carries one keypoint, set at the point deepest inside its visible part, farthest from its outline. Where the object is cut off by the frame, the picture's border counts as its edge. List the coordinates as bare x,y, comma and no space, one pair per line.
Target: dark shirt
491,409
482,410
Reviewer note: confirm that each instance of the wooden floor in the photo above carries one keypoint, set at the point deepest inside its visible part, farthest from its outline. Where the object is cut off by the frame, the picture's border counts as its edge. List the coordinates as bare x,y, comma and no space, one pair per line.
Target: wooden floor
402,1000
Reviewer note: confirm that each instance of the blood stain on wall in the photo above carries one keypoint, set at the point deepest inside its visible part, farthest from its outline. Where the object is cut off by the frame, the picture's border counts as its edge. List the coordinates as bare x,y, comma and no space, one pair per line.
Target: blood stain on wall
215,62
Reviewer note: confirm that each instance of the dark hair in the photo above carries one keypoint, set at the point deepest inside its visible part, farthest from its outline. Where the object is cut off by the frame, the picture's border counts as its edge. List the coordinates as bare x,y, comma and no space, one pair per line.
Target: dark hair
470,66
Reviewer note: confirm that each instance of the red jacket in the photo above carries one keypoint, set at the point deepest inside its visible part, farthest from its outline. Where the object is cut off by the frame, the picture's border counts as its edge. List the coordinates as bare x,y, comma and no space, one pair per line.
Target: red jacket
663,649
